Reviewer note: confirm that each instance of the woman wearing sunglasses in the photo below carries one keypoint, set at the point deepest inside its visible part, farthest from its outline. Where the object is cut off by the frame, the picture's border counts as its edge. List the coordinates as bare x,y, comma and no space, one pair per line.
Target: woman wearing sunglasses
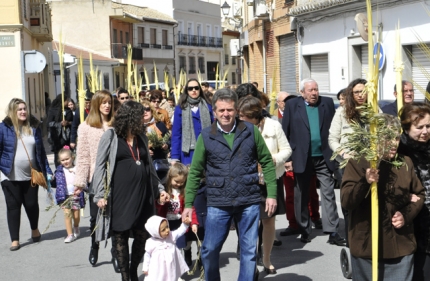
192,114
157,151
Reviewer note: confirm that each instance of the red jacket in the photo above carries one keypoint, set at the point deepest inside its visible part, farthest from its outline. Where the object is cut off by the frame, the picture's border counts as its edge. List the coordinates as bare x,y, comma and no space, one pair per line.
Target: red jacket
162,210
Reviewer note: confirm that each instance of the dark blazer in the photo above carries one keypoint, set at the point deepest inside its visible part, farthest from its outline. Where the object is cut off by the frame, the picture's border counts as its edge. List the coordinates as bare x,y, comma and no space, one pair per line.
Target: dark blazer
390,108
295,124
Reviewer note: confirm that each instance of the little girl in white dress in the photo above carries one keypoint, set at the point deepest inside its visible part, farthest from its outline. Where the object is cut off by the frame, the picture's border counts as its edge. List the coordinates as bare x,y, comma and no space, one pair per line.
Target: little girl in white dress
163,260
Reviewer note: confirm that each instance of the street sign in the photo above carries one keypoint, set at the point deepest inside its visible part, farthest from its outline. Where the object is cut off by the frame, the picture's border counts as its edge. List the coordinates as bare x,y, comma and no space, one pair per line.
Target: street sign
7,41
381,55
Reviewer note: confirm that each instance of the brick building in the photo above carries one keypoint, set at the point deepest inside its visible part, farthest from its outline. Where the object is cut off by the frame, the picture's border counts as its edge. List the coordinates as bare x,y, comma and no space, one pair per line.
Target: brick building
268,44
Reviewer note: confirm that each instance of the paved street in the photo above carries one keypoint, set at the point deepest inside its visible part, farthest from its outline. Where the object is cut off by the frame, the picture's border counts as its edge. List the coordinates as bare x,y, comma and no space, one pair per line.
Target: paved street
52,259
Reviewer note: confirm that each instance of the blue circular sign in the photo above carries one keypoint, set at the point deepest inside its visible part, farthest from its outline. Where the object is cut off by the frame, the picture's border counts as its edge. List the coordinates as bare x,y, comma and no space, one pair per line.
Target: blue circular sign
381,55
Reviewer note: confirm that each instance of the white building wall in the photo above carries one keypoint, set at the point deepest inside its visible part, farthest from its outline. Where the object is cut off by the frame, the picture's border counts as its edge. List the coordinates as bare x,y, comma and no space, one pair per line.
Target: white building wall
164,6
333,36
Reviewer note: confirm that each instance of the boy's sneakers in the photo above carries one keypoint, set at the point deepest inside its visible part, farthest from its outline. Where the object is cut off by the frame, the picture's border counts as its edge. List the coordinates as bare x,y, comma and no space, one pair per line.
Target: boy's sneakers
69,238
76,232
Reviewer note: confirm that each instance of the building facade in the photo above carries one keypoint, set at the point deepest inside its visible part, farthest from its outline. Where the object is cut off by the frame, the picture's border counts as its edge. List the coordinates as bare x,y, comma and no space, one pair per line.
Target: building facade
198,38
269,46
25,26
332,51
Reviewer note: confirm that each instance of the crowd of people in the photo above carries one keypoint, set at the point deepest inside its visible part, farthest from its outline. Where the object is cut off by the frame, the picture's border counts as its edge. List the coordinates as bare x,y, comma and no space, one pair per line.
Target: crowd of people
169,174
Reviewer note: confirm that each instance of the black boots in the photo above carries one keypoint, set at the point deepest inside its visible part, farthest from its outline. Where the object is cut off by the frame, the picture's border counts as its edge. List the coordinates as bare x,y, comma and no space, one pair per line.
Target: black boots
94,256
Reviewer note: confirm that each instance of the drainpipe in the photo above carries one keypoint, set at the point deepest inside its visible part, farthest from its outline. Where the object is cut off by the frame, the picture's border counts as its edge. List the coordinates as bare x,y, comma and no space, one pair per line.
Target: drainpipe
264,58
174,54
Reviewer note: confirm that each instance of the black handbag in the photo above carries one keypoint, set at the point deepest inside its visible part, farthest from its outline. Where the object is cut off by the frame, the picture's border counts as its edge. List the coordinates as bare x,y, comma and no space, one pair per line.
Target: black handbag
161,165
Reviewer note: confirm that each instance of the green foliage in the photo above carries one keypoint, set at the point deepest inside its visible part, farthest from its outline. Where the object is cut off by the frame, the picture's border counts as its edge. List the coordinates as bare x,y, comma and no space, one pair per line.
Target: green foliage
155,141
360,141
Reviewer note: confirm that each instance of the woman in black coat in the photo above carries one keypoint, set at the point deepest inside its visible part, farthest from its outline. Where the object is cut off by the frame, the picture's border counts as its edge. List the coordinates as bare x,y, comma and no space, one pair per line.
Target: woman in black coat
59,129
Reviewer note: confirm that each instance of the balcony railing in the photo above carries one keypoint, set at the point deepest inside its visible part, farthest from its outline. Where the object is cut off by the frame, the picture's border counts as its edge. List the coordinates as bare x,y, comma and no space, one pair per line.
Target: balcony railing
40,21
202,41
119,51
154,46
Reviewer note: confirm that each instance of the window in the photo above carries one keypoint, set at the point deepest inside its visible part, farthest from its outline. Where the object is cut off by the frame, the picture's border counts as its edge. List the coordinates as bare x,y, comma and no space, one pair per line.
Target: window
141,35
182,63
153,38
190,28
216,29
106,80
127,38
208,30
199,30
116,79
115,36
120,37
233,60
233,78
164,38
226,59
192,64
202,64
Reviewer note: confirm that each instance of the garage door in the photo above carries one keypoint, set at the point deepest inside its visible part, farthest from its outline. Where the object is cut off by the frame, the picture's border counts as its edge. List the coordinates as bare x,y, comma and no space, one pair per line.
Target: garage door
319,72
364,61
287,54
418,75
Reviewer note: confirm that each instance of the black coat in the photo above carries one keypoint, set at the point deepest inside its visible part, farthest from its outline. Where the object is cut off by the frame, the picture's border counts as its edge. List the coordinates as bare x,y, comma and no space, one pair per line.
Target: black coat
295,124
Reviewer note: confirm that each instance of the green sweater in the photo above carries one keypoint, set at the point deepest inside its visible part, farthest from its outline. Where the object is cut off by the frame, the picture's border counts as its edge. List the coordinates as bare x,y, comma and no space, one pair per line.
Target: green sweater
199,163
314,128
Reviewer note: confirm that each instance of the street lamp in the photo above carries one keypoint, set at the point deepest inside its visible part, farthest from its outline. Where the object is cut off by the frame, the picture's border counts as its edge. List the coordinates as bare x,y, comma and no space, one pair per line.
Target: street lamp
225,8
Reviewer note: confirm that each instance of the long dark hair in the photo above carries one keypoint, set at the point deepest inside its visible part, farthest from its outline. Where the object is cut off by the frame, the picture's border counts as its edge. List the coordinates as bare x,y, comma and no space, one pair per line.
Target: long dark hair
183,98
351,111
129,118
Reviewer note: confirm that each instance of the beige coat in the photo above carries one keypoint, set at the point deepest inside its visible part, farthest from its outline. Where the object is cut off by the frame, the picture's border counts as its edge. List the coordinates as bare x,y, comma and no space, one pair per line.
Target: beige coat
339,126
277,144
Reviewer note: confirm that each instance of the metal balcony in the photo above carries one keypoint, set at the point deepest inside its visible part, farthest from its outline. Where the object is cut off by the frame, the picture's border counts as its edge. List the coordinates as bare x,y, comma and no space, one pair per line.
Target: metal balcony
119,51
201,41
40,21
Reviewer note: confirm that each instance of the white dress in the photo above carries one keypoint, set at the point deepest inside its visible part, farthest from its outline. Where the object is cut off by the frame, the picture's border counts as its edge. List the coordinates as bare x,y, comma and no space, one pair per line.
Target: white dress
163,260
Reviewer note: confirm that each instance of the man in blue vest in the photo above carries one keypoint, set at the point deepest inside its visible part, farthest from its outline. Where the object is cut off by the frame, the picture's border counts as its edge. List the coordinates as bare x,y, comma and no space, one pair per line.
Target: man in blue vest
230,151
306,123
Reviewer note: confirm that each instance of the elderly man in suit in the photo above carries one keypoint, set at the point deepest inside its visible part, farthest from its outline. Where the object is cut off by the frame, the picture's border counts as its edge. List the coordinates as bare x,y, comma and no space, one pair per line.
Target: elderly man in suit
408,97
306,123
281,105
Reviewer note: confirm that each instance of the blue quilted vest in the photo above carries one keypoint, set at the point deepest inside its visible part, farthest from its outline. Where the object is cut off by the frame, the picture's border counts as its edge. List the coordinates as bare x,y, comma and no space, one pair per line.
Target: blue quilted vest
231,174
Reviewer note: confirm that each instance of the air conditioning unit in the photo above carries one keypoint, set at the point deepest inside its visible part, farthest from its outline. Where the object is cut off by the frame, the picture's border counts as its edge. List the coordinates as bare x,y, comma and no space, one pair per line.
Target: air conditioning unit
234,47
261,9
250,2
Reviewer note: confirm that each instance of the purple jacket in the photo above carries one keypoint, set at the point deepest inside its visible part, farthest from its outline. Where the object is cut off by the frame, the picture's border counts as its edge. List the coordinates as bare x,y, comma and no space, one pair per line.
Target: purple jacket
61,192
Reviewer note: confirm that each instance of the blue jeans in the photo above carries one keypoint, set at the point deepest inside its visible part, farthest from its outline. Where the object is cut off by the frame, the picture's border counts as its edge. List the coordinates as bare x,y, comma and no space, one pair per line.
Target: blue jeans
217,227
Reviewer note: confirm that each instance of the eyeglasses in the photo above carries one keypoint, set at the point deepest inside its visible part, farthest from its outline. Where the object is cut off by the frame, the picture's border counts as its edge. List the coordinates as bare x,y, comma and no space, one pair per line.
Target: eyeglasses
196,88
146,108
155,101
124,98
358,92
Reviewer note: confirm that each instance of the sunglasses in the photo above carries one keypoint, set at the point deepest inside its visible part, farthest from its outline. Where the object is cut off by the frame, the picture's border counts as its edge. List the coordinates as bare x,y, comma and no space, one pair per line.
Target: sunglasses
196,88
155,101
146,108
124,98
